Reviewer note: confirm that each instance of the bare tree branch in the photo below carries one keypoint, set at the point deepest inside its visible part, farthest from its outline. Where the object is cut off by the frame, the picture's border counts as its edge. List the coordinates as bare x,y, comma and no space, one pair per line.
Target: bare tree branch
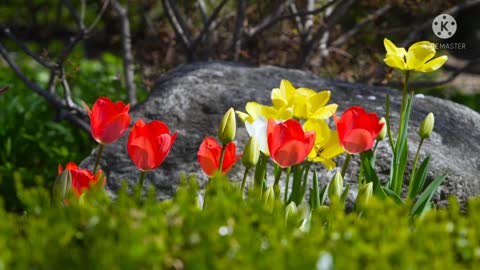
207,25
297,20
3,89
270,20
72,114
336,14
203,10
99,16
237,34
73,12
178,25
24,48
365,21
309,18
128,60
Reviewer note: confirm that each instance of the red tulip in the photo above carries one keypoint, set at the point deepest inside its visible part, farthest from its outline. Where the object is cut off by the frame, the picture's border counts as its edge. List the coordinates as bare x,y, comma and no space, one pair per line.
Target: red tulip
357,129
108,120
288,143
209,156
149,144
82,179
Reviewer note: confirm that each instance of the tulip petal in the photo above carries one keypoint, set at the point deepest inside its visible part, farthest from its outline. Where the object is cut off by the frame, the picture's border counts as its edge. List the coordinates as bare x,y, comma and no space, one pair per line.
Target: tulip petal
290,153
208,155
259,129
392,49
434,64
111,130
418,54
395,61
357,141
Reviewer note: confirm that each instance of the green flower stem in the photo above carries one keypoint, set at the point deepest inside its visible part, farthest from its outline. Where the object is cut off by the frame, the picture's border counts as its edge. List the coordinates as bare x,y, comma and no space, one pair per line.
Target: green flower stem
242,188
99,155
412,177
404,102
222,156
375,146
285,196
345,164
142,179
276,188
306,169
387,122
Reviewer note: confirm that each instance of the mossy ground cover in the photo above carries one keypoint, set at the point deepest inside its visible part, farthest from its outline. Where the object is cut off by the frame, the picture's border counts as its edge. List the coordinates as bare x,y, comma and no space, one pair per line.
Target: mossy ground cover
97,232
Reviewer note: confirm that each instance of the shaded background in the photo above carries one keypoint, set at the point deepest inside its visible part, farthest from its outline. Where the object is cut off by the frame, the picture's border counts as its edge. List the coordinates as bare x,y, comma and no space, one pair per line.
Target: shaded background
78,50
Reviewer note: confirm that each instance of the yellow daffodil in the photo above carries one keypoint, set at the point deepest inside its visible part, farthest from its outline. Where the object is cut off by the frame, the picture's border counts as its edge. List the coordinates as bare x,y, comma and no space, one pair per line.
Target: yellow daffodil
327,145
418,57
306,103
255,110
256,119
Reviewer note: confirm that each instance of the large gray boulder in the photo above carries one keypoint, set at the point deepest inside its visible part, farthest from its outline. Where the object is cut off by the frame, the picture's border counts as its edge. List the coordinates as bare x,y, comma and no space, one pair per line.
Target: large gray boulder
193,98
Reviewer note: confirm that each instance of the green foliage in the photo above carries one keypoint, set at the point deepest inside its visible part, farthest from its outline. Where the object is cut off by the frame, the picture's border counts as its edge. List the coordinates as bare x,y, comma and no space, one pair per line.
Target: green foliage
230,233
32,143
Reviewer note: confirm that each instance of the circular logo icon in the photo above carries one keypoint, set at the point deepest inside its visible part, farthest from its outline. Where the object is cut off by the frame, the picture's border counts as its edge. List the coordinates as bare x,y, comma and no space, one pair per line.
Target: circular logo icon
444,26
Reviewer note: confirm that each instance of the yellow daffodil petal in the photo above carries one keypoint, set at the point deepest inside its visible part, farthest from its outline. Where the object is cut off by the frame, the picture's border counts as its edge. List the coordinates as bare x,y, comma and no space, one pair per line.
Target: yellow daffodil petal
301,107
418,54
325,112
434,64
283,96
322,131
245,117
283,113
254,109
320,99
328,163
332,147
302,91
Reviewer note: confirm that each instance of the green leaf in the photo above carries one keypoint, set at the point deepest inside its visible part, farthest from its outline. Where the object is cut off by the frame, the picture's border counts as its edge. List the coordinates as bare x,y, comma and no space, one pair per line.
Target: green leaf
314,192
400,154
422,204
419,178
296,194
393,196
371,176
344,196
260,172
323,195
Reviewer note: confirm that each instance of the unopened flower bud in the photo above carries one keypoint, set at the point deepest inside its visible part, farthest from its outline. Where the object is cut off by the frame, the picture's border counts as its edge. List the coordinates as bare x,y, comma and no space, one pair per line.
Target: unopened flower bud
251,153
336,186
364,194
269,198
290,210
227,128
62,186
427,126
383,132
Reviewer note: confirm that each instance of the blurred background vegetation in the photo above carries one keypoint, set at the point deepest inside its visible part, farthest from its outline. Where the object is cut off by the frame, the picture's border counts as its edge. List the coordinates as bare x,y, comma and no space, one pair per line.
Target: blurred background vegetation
343,40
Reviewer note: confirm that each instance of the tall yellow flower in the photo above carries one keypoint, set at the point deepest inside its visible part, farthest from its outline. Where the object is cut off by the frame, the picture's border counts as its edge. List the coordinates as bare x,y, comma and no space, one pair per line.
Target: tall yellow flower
418,57
327,145
305,103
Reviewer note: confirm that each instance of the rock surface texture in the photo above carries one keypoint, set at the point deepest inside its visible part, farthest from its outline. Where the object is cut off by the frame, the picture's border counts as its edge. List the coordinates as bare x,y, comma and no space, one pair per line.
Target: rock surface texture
193,98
